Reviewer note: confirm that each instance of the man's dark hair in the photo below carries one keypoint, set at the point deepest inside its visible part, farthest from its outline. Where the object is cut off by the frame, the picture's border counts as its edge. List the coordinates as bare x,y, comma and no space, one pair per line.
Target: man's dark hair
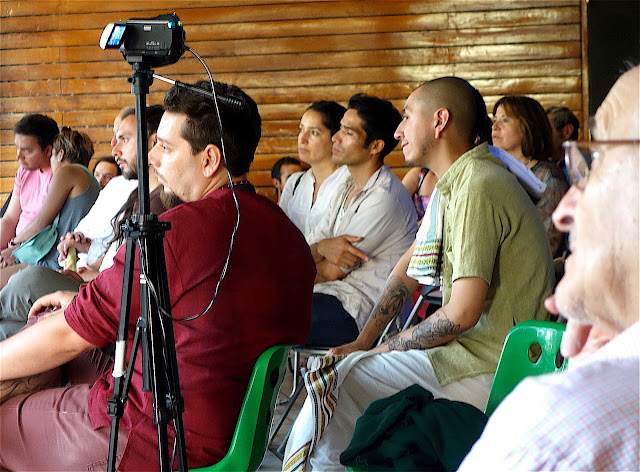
109,160
42,127
241,127
380,119
562,117
466,106
534,125
153,115
276,170
331,112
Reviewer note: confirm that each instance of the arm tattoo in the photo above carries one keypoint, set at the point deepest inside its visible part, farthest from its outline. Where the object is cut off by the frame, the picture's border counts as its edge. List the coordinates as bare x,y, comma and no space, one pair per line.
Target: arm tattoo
33,383
393,297
434,331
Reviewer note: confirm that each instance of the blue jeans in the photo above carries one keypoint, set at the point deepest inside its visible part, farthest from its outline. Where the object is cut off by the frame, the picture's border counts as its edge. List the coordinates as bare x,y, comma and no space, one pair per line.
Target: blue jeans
331,324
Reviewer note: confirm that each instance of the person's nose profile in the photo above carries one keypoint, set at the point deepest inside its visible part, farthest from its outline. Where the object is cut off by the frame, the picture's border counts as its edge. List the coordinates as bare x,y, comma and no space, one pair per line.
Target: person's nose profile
563,216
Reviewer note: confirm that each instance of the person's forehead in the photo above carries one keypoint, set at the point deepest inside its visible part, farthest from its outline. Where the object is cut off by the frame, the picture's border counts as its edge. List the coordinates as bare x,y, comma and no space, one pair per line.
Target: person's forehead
106,167
170,127
352,120
127,127
26,141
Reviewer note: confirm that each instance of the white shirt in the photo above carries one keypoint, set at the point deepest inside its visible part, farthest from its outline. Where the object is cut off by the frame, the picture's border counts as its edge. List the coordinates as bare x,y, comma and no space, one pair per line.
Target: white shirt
383,214
96,225
583,419
297,198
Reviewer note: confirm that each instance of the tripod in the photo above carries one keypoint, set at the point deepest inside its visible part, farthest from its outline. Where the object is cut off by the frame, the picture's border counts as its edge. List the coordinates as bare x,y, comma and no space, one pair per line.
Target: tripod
154,328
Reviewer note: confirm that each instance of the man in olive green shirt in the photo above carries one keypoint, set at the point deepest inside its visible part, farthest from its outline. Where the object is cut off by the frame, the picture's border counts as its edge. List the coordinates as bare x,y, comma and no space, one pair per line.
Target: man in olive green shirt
496,271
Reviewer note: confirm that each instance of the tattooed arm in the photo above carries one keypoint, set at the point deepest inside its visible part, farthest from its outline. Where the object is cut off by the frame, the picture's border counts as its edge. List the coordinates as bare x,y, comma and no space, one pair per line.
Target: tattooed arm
461,313
395,293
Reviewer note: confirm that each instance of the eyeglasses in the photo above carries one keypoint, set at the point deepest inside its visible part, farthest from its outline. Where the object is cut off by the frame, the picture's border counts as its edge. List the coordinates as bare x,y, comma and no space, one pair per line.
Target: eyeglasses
581,155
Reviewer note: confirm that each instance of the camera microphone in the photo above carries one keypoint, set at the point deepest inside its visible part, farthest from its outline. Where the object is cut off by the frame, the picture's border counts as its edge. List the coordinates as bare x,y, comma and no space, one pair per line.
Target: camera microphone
229,100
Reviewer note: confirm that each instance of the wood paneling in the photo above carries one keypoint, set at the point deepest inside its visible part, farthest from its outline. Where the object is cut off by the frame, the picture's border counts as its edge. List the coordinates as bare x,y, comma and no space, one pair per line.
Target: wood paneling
286,54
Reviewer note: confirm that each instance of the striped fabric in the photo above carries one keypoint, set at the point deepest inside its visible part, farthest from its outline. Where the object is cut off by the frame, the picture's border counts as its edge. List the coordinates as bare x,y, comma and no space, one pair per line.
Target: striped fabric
324,376
425,265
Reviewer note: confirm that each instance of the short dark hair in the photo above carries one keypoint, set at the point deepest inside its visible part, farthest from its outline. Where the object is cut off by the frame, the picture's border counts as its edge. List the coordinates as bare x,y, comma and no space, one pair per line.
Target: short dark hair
562,117
331,112
380,119
42,127
77,146
109,160
276,170
153,115
241,126
534,125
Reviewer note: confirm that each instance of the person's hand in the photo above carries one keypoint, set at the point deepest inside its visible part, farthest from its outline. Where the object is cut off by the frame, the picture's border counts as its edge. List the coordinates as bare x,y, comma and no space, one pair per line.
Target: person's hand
77,240
341,252
54,301
6,257
348,348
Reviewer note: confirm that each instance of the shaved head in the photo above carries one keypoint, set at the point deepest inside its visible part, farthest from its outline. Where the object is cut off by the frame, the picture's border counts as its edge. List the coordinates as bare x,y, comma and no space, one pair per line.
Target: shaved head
465,104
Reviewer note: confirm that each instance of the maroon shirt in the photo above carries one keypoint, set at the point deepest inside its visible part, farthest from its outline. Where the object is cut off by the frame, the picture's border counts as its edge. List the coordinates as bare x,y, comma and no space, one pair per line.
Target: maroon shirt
264,300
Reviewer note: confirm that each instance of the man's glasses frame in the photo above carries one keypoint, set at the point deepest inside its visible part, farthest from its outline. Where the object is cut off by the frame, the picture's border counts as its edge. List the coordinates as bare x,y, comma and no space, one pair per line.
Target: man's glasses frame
579,157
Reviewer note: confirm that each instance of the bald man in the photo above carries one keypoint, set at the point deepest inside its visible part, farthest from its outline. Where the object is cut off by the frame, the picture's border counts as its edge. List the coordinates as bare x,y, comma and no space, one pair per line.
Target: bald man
588,417
496,272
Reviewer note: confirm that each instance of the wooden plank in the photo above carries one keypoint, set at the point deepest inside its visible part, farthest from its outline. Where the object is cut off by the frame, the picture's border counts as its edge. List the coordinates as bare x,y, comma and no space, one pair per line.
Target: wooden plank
31,7
309,63
346,42
309,27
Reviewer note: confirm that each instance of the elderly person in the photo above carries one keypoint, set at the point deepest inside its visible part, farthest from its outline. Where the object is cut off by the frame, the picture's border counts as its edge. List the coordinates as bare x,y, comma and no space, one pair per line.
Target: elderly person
522,128
587,418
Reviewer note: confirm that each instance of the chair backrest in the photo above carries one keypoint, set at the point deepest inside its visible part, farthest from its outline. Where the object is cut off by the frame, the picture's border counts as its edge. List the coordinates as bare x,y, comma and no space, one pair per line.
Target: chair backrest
531,348
249,442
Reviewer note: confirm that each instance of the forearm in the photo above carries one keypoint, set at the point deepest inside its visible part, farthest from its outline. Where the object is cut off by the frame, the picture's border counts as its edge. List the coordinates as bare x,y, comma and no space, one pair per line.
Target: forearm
315,254
395,294
7,230
436,330
47,344
326,272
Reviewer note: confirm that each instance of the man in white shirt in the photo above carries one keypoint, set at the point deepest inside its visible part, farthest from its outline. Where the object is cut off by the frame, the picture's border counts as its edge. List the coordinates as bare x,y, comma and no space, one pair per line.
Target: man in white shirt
587,418
371,222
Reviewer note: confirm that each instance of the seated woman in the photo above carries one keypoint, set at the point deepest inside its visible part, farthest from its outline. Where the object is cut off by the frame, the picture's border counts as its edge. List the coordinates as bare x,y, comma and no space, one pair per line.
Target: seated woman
521,127
72,192
306,195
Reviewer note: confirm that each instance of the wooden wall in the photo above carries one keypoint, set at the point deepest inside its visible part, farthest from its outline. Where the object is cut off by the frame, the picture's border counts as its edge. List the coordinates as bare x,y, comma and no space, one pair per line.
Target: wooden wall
286,54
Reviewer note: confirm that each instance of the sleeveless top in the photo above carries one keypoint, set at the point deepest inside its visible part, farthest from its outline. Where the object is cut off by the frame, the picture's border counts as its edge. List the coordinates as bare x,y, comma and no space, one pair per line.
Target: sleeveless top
73,210
420,201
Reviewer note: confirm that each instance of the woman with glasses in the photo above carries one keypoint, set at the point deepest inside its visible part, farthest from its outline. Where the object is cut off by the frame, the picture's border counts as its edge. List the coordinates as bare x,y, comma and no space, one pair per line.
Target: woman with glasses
521,127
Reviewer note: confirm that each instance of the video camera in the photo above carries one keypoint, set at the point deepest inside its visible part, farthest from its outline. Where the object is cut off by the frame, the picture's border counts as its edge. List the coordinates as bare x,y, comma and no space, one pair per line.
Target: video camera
157,41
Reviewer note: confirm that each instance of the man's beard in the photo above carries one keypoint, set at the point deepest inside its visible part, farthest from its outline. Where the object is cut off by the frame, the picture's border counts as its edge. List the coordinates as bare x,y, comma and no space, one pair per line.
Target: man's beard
169,200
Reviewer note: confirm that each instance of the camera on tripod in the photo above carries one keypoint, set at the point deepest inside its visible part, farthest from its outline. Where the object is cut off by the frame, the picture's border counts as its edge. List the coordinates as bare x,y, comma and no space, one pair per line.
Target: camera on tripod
157,41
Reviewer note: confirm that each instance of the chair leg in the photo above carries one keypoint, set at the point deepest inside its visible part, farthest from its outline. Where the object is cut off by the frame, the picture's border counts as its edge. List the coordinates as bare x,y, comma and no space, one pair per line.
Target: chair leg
291,402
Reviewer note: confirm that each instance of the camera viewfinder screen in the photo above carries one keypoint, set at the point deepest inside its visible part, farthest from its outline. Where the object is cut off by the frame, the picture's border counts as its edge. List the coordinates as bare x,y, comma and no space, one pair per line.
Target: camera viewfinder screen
116,35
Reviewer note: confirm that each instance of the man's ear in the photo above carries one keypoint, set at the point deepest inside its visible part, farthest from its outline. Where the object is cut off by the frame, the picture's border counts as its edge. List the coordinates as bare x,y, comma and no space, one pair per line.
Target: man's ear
376,146
211,160
48,150
567,131
441,118
276,183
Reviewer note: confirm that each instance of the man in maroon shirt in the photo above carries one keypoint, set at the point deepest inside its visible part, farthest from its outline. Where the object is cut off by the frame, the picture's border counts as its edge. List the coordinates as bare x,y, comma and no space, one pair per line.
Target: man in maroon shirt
263,300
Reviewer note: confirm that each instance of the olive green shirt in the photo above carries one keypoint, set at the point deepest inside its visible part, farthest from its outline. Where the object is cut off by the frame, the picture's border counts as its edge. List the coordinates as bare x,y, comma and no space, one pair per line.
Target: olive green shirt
492,230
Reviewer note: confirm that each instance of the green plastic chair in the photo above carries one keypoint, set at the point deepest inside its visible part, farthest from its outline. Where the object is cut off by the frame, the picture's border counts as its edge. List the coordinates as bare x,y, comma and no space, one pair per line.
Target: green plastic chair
249,442
517,362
